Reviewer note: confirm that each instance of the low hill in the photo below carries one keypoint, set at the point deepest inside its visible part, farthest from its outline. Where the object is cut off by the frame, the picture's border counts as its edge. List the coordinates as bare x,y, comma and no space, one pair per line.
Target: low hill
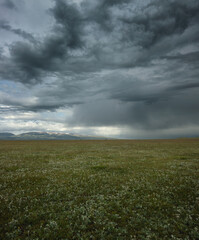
6,135
47,136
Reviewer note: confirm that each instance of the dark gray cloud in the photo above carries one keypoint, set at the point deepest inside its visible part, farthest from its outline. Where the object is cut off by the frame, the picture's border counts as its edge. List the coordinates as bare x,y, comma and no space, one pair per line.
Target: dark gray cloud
30,62
161,19
5,26
69,22
9,4
108,34
157,105
114,63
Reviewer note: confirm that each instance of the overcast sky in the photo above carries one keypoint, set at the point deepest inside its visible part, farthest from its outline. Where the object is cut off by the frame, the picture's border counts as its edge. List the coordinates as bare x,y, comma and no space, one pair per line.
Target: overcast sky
118,68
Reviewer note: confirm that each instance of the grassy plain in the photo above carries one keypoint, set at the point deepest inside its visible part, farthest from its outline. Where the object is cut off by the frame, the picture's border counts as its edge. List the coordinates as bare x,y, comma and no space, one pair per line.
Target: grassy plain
117,189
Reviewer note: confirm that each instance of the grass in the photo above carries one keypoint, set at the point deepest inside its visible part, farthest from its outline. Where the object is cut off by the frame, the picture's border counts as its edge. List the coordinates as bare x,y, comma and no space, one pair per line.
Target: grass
120,189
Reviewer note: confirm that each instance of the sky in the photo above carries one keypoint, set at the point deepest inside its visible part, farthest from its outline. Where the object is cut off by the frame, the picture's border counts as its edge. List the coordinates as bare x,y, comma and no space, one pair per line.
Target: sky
117,68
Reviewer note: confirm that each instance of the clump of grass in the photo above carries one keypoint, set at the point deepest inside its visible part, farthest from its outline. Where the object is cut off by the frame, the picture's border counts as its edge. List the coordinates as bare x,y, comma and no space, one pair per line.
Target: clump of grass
99,189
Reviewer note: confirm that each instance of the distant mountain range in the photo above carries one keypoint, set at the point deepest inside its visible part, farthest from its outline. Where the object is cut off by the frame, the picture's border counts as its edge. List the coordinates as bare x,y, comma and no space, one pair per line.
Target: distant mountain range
48,136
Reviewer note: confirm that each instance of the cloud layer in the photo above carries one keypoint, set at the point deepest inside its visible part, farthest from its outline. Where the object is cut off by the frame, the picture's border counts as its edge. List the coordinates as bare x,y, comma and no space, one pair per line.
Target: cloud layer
123,64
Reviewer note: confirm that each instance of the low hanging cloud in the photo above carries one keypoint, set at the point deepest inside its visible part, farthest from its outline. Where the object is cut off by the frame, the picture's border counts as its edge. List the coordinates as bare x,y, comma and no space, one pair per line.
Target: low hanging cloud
113,63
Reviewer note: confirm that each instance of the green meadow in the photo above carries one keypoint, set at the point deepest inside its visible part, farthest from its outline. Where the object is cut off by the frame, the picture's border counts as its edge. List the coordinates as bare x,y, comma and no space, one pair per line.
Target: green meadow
103,189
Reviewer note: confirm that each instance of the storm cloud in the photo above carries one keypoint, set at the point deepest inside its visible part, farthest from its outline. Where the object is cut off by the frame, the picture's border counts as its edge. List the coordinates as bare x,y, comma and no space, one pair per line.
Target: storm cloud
127,64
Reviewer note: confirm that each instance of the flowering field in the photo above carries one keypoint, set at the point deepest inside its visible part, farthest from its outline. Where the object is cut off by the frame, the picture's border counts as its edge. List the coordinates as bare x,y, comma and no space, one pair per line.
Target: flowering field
118,189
